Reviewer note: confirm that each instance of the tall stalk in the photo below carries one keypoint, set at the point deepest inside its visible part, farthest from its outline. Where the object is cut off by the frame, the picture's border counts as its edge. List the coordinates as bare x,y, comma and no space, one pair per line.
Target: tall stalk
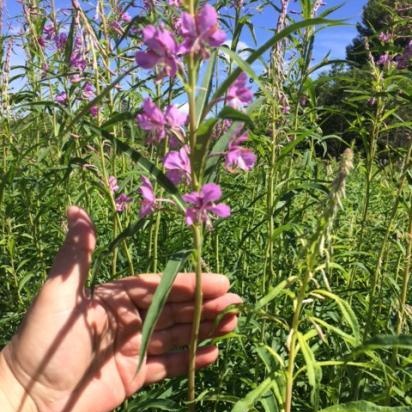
197,228
312,251
277,78
377,273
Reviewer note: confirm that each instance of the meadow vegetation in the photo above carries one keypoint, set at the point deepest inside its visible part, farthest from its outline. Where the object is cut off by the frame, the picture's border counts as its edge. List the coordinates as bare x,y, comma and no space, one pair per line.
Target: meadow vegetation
291,177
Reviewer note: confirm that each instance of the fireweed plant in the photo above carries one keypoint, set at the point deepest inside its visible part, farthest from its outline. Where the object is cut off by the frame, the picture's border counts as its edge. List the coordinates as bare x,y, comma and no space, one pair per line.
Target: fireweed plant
180,52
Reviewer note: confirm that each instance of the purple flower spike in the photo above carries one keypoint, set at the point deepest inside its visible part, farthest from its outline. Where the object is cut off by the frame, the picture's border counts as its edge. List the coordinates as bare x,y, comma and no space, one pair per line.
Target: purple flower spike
203,203
239,94
177,166
113,186
61,98
161,50
88,91
148,198
239,157
60,40
153,120
200,32
121,202
77,61
49,31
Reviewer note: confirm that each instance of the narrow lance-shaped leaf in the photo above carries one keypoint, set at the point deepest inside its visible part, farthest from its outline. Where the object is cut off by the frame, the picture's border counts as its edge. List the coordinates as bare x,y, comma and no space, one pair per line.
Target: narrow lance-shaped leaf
205,88
245,404
159,299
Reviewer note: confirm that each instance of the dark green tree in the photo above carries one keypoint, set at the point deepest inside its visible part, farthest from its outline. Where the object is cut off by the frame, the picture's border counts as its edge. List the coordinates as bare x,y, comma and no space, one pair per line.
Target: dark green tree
393,17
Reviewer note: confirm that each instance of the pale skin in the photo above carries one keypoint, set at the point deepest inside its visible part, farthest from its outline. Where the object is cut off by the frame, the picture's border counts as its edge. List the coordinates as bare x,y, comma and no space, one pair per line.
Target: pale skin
78,351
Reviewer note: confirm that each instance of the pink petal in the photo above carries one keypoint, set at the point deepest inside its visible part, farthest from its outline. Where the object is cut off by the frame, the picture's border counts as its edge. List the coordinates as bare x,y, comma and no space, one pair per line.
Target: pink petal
221,210
146,59
211,192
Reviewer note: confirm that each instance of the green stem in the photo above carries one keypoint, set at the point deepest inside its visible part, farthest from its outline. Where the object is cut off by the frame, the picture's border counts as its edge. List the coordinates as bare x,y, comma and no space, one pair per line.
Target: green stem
294,328
117,225
375,280
197,238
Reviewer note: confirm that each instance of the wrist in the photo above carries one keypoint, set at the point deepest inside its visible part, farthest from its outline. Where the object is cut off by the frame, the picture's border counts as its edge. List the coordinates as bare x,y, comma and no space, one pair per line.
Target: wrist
13,396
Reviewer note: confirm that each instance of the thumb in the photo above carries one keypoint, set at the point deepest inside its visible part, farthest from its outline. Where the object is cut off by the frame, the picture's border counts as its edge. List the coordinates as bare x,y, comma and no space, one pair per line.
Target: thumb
69,272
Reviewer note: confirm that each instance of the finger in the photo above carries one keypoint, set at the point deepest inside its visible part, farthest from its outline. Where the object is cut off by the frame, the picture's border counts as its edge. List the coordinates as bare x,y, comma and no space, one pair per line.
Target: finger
176,364
141,288
179,335
177,313
71,265
126,320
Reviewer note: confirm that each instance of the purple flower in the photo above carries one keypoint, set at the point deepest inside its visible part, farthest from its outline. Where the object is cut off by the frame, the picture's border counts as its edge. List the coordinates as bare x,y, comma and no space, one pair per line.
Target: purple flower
384,59
148,198
177,165
126,17
75,78
158,123
161,50
200,31
60,40
384,37
94,111
49,31
402,61
203,203
238,93
61,98
176,3
153,120
113,186
88,91
77,61
239,157
121,202
175,118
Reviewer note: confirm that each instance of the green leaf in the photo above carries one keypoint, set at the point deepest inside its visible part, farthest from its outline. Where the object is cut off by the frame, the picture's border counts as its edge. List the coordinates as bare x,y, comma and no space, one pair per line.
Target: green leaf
274,292
117,118
364,406
313,370
157,404
205,89
233,114
245,404
159,299
384,342
347,312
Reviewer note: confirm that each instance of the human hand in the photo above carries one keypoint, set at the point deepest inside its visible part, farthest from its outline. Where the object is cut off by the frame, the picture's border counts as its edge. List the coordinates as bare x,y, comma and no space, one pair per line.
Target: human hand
78,352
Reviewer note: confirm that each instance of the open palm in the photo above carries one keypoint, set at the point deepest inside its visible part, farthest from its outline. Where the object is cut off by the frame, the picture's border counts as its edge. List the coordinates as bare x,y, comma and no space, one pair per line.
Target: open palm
77,350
